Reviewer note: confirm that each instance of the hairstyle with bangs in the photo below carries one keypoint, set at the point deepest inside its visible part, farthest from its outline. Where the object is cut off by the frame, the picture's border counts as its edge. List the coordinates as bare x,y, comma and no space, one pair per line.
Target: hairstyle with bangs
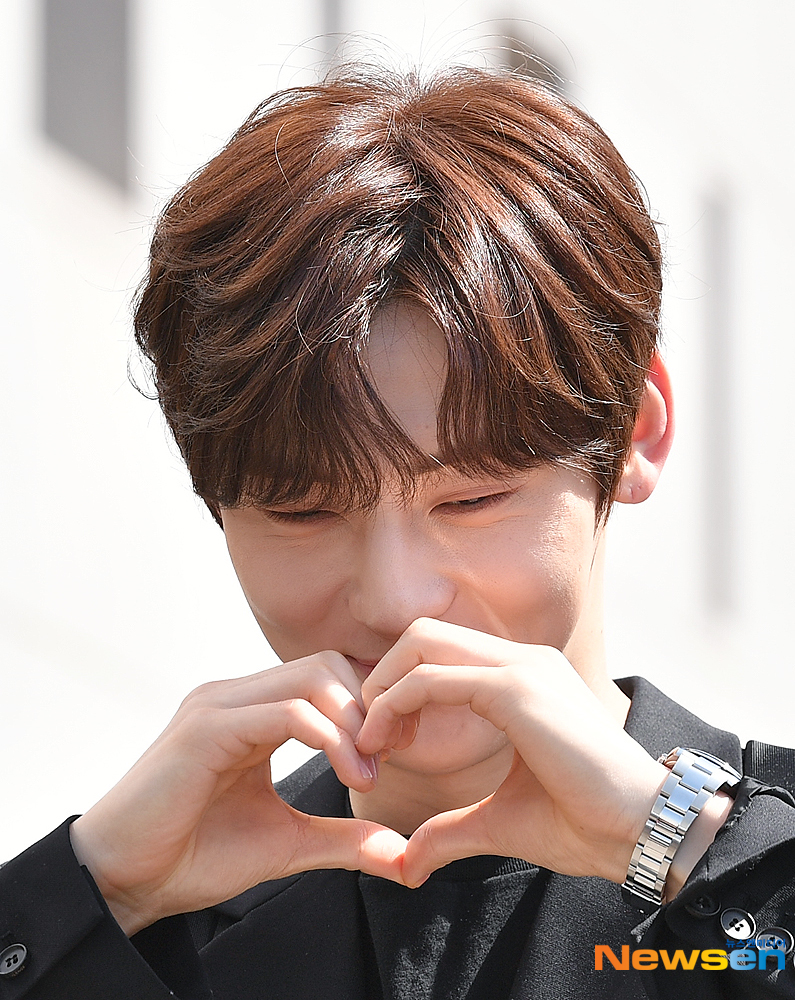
484,197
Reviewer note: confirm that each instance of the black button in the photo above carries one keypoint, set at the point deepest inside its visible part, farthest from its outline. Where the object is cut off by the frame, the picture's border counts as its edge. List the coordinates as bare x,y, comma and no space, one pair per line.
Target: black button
12,959
737,924
703,907
775,939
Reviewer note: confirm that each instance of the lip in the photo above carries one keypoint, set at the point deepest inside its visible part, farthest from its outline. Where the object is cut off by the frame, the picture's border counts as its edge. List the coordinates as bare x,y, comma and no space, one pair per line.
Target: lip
363,666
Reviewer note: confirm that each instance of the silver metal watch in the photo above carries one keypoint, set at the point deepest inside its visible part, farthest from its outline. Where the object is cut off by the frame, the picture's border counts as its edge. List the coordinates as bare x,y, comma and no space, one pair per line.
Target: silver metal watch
695,777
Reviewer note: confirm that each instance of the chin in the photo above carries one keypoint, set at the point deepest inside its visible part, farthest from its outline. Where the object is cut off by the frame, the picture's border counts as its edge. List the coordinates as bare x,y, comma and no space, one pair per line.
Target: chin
449,740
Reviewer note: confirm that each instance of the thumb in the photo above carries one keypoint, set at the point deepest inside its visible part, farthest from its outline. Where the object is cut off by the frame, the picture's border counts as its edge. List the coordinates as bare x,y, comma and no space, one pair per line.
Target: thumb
354,844
459,833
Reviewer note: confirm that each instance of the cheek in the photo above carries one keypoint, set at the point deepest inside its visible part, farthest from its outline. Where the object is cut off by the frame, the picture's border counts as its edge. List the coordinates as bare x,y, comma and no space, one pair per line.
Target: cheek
539,577
290,590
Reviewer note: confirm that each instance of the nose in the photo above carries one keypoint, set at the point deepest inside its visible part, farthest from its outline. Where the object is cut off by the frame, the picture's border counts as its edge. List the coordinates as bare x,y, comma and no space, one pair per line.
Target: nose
400,574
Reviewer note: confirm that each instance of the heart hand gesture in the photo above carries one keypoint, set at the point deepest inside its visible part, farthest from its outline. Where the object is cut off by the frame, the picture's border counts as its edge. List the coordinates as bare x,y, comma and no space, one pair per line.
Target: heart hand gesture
197,819
580,789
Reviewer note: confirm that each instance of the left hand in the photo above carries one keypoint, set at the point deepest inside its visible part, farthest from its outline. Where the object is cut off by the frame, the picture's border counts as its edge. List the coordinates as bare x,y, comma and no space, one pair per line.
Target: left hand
580,788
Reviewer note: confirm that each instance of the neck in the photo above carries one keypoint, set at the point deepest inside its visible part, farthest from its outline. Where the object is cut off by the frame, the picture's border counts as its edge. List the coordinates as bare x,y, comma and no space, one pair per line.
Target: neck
585,649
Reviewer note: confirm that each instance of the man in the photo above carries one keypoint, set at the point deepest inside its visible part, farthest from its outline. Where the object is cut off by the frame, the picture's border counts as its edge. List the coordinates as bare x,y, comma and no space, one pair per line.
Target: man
405,334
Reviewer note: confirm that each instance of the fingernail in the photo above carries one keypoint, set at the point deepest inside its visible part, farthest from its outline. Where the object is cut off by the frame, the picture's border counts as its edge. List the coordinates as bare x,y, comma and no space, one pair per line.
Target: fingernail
369,768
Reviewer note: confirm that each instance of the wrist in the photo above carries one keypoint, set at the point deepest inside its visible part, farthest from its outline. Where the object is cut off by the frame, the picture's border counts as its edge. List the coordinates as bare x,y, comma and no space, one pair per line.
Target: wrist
641,808
695,779
697,841
129,917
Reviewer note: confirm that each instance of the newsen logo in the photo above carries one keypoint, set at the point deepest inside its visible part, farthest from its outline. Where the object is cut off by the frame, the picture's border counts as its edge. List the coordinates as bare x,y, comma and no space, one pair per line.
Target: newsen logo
711,959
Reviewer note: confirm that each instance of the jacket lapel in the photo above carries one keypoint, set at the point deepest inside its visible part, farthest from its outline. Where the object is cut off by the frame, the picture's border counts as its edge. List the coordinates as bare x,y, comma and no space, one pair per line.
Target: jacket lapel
305,941
301,936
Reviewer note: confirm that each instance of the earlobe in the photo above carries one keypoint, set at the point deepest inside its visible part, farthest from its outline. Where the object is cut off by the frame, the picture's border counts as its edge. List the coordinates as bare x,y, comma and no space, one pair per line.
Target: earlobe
651,439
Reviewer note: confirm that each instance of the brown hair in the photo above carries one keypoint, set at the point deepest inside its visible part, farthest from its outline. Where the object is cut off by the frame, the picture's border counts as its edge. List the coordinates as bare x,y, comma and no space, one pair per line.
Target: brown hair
486,198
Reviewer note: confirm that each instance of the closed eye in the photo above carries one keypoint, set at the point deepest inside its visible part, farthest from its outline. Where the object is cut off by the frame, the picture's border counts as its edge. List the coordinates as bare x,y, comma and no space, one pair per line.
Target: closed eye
478,503
300,516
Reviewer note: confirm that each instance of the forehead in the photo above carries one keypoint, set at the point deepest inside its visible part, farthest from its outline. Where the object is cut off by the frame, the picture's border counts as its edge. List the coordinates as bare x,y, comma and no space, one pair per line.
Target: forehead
406,356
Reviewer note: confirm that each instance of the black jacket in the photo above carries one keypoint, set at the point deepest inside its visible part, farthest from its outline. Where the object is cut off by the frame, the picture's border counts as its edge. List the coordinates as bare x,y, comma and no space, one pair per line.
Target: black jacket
301,938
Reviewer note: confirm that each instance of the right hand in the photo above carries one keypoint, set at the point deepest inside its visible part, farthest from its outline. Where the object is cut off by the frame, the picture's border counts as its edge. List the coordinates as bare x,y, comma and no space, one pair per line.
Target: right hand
197,820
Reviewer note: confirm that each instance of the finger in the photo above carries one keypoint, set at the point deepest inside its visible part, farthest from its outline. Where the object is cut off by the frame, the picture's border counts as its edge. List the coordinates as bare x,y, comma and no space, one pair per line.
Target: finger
329,661
325,679
459,833
402,735
335,701
427,683
407,729
357,845
236,691
239,738
429,641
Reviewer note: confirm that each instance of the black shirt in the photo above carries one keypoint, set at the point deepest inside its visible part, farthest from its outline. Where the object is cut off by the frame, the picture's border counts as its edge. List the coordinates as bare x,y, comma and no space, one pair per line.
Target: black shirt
460,935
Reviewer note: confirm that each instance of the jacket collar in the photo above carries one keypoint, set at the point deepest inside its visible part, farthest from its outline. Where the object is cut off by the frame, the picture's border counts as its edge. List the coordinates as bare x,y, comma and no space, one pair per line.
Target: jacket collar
660,724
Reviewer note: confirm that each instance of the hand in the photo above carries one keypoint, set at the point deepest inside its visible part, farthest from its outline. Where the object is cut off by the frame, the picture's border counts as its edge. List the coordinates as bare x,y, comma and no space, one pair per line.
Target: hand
197,820
580,789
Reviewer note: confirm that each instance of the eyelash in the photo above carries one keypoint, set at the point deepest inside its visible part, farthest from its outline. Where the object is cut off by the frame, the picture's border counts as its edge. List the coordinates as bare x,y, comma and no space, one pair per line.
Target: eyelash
308,516
299,516
478,503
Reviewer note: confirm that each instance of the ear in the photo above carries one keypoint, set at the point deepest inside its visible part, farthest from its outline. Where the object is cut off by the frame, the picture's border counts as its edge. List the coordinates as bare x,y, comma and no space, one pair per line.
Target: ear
652,437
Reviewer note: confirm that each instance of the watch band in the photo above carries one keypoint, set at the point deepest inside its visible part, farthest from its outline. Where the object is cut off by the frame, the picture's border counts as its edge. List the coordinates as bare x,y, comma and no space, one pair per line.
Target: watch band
695,777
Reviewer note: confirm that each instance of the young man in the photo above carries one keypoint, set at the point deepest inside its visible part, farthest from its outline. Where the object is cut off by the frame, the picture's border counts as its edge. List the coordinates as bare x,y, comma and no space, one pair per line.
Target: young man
405,335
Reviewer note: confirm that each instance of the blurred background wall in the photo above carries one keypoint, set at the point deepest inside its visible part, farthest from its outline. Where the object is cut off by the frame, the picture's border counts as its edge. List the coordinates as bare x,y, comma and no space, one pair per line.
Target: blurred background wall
116,594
